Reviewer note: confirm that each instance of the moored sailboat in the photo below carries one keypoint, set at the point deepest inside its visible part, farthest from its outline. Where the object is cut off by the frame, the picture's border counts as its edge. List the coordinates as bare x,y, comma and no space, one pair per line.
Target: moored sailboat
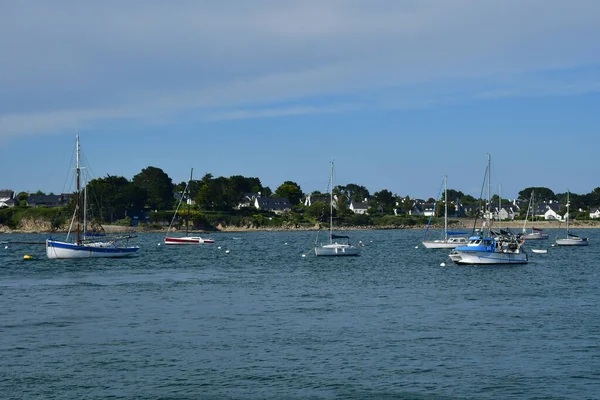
535,233
86,246
571,239
451,239
490,246
338,245
187,239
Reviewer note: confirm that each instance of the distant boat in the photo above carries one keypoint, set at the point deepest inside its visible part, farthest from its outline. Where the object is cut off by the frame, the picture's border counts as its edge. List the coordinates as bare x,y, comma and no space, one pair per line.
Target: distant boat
85,246
571,239
338,245
490,246
187,239
450,239
535,233
540,251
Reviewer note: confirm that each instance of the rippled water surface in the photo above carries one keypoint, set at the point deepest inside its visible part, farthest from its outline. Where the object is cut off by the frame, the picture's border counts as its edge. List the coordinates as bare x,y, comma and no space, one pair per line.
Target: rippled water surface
263,322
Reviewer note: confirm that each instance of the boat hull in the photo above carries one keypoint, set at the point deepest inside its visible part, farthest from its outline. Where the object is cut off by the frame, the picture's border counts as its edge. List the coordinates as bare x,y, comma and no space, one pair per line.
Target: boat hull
572,242
488,258
535,236
56,249
443,244
187,240
333,250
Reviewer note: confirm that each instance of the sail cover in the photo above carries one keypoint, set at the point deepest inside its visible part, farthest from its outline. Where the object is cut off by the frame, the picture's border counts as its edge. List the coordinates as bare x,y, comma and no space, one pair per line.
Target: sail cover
339,236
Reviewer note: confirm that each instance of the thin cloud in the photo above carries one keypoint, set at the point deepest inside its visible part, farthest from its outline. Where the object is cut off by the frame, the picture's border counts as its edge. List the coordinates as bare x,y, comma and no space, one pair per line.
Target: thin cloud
71,64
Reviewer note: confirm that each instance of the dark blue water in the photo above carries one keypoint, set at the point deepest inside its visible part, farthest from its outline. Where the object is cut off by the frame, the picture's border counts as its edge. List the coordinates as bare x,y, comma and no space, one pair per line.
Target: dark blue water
263,322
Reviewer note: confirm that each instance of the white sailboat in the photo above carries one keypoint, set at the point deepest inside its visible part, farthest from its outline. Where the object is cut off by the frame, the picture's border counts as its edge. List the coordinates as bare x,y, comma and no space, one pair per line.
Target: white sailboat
451,239
187,239
571,239
338,245
490,246
535,233
83,246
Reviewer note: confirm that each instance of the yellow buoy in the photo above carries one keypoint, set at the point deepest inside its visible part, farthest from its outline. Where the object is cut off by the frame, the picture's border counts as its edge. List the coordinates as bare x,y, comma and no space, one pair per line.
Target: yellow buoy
27,257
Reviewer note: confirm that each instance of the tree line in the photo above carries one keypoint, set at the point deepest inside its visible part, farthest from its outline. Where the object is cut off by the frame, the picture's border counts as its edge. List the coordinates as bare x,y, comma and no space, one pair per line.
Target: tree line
115,197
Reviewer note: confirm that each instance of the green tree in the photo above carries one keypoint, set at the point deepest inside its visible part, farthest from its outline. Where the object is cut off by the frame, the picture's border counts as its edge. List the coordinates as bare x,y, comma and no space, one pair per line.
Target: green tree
407,204
385,199
541,194
215,195
158,186
291,190
593,198
453,195
111,197
353,192
318,211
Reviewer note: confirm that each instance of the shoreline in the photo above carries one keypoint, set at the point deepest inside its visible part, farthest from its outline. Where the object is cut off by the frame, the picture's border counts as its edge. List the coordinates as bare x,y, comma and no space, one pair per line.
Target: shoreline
455,223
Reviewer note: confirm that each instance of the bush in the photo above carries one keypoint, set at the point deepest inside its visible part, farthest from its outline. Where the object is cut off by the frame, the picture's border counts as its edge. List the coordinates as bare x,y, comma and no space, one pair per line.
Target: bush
123,222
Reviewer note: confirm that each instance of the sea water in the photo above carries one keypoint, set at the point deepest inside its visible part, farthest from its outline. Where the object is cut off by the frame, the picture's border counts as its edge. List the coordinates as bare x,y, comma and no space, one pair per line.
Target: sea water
269,320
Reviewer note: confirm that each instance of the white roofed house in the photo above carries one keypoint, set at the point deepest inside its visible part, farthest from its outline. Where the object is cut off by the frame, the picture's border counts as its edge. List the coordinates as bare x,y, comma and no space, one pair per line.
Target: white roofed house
358,207
7,198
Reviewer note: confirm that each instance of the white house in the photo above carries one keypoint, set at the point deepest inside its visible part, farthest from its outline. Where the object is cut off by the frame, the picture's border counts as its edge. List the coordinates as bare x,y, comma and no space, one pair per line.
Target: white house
277,205
595,212
552,211
358,207
505,213
7,198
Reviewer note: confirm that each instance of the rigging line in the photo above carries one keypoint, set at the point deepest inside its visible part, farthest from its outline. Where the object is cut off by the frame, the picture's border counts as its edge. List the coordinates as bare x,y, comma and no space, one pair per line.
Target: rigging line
178,205
481,197
434,208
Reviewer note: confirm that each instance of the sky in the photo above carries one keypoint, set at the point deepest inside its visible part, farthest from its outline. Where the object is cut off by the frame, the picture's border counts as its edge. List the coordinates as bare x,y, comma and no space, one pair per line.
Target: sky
398,93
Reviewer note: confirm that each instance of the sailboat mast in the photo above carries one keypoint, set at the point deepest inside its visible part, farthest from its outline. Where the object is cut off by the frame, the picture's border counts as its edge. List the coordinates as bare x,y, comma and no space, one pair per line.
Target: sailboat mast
78,190
489,198
331,205
446,207
568,213
187,215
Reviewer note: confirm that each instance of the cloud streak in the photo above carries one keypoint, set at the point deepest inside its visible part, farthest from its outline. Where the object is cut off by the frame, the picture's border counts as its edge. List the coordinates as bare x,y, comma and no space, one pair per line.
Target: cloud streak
72,64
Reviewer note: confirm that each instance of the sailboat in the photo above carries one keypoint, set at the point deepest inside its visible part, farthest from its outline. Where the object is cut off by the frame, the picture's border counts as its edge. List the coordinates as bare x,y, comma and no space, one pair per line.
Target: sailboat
571,239
535,233
490,246
86,246
187,239
450,239
334,247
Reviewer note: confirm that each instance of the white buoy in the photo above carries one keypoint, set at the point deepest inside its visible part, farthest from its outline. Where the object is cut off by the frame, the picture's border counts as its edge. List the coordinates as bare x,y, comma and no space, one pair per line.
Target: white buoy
443,264
286,243
303,255
219,247
6,247
158,244
226,251
416,247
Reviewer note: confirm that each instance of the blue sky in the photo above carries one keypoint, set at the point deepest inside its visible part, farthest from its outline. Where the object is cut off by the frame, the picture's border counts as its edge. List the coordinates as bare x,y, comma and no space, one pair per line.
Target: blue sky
398,92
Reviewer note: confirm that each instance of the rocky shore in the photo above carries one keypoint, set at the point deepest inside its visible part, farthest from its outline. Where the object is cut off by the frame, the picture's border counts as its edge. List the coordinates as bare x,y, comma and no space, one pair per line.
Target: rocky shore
30,226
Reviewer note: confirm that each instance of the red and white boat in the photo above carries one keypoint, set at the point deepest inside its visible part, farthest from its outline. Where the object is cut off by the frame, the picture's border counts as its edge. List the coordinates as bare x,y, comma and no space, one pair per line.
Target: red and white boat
187,239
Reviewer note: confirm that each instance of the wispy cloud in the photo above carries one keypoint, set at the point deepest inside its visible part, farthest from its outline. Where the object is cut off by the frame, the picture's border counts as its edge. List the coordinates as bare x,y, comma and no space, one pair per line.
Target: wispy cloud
70,64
